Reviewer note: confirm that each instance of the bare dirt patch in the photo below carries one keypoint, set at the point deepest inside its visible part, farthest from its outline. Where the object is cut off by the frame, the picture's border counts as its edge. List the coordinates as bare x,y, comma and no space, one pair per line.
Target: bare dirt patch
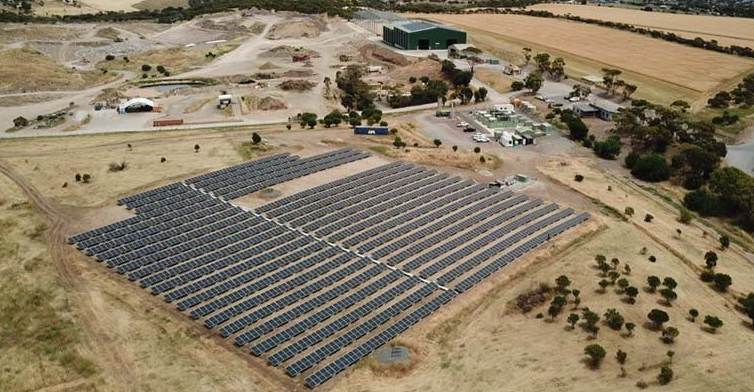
385,55
494,78
306,28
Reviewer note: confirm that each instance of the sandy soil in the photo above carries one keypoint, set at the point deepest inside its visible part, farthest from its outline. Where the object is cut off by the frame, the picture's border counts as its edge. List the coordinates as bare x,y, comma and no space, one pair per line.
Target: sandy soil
726,30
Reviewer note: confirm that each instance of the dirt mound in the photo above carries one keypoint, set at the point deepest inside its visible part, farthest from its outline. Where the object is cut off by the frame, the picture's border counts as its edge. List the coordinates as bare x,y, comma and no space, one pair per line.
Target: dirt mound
298,73
372,51
297,85
308,28
287,51
268,65
423,67
251,102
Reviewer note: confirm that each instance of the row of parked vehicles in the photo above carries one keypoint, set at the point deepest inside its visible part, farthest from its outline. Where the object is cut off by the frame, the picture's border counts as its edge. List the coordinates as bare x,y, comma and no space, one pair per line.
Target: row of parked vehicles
478,136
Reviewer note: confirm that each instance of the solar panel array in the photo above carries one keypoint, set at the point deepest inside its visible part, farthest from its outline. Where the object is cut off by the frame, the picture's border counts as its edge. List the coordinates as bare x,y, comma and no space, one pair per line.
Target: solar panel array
315,281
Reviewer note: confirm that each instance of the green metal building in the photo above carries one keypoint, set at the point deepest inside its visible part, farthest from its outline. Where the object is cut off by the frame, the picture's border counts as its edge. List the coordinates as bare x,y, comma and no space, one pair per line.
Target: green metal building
413,35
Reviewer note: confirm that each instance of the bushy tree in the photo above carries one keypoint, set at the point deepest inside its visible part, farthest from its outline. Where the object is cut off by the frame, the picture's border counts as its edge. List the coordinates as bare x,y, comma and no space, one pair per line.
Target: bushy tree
722,281
665,376
614,319
651,168
658,317
713,322
693,314
255,138
596,354
669,334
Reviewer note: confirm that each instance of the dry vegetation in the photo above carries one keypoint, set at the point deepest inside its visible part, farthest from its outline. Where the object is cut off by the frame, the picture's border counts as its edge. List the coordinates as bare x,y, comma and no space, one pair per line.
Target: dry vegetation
175,59
494,78
41,73
726,30
675,72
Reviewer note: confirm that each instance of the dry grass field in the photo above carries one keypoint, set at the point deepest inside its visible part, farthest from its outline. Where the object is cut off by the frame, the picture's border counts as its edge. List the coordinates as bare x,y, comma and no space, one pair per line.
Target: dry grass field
663,71
726,30
41,73
494,79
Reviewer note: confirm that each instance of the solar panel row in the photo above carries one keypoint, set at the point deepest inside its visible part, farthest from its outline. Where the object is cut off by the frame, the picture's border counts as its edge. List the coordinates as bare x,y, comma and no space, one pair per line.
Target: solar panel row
274,276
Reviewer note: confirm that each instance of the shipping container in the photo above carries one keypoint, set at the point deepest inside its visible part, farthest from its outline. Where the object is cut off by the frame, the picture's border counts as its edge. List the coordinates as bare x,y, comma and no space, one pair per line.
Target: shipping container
380,131
167,123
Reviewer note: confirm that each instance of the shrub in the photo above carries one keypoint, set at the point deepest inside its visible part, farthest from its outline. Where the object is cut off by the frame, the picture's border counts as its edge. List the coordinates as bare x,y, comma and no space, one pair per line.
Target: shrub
517,85
163,160
412,79
685,216
255,138
665,376
631,159
628,211
477,150
146,67
109,57
648,218
20,122
578,178
722,282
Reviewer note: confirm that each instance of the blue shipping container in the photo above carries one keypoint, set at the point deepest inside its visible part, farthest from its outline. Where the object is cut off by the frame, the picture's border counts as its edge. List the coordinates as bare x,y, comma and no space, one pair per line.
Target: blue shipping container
381,131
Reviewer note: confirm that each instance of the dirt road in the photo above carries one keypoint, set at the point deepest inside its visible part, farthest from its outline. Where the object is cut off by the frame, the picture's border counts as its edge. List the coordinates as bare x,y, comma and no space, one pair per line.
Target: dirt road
108,353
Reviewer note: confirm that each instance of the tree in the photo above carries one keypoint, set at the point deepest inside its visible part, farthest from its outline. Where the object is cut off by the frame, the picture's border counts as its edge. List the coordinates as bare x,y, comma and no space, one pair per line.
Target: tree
665,376
78,177
573,318
681,105
196,148
596,354
648,218
669,295
607,149
517,85
576,127
576,298
658,317
146,67
623,283
333,118
670,283
20,122
651,168
255,138
412,79
398,142
629,211
609,78
669,334
437,143
621,357
480,94
614,319
563,282
527,55
455,148
747,303
653,282
534,81
590,321
693,314
632,292
603,285
670,354
710,259
630,328
722,282
713,322
557,69
477,150
86,178
685,216
724,242
543,61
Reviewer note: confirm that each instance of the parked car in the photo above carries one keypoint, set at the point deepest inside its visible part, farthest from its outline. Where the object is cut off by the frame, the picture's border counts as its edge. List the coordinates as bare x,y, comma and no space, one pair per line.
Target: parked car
462,124
469,129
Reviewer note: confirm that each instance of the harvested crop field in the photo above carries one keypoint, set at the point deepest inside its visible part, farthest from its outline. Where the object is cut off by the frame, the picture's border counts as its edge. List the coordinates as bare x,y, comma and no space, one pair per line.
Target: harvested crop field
662,70
726,30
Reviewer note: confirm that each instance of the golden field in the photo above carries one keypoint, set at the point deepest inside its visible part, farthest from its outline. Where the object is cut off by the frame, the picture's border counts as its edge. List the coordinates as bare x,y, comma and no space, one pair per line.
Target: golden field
726,30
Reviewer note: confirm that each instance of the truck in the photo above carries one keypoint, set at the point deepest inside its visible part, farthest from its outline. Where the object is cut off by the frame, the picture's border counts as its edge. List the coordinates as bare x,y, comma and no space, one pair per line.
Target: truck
364,130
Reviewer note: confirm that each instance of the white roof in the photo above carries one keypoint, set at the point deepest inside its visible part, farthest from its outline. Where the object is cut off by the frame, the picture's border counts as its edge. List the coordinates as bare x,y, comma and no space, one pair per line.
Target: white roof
138,102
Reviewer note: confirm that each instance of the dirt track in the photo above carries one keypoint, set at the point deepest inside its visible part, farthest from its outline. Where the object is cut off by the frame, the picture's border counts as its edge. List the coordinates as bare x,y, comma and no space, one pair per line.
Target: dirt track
108,353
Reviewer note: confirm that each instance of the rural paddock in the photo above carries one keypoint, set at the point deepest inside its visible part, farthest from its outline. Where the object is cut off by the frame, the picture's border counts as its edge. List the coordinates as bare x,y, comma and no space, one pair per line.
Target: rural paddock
725,30
689,70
